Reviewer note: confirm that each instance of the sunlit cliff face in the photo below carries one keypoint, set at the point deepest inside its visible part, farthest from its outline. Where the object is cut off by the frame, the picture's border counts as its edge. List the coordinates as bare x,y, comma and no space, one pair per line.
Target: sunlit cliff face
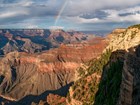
56,68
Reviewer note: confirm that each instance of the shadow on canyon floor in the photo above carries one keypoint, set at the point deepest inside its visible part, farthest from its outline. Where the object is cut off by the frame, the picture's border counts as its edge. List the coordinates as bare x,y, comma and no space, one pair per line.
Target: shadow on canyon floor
36,98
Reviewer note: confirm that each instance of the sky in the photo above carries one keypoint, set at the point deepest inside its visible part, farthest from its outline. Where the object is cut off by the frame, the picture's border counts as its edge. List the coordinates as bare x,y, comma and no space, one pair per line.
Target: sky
81,15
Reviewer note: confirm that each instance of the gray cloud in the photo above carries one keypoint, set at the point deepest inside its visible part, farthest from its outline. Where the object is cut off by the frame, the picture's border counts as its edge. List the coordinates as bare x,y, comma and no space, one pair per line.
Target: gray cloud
129,13
77,13
97,14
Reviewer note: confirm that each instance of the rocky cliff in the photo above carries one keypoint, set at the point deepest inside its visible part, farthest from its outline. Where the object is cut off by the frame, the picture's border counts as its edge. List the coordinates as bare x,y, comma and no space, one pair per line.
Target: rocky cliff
108,78
40,73
123,39
118,70
38,40
129,94
129,40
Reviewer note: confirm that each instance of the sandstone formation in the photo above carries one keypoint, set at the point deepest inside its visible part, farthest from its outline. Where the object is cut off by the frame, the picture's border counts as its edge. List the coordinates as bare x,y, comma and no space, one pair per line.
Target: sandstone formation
38,40
34,74
119,84
129,40
123,39
109,78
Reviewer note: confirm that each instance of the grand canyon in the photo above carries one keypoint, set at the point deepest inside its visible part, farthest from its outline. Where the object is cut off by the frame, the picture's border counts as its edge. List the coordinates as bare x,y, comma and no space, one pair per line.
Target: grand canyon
69,52
56,67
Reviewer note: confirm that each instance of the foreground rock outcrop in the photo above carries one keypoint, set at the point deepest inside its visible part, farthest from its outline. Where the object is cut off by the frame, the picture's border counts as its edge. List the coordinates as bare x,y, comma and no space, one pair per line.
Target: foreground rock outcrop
123,39
119,71
129,94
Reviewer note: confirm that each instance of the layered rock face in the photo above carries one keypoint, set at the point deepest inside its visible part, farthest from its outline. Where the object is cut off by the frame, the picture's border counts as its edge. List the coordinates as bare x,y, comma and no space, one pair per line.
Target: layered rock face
129,94
123,39
37,40
119,83
129,40
115,74
30,75
33,74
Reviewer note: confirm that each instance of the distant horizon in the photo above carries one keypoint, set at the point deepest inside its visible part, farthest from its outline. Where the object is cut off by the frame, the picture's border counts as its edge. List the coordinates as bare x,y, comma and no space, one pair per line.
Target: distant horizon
97,32
81,15
62,29
67,29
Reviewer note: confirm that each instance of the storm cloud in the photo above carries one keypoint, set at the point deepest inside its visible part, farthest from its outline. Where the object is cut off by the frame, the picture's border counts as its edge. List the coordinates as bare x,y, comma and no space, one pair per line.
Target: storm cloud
75,14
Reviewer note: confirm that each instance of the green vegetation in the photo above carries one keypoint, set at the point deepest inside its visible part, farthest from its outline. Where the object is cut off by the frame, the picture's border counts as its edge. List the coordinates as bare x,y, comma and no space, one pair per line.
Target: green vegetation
95,65
87,86
124,33
85,91
89,89
133,34
109,87
135,26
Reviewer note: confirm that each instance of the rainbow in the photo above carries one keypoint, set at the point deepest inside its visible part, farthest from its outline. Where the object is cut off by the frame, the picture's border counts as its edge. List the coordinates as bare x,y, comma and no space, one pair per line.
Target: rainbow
60,12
